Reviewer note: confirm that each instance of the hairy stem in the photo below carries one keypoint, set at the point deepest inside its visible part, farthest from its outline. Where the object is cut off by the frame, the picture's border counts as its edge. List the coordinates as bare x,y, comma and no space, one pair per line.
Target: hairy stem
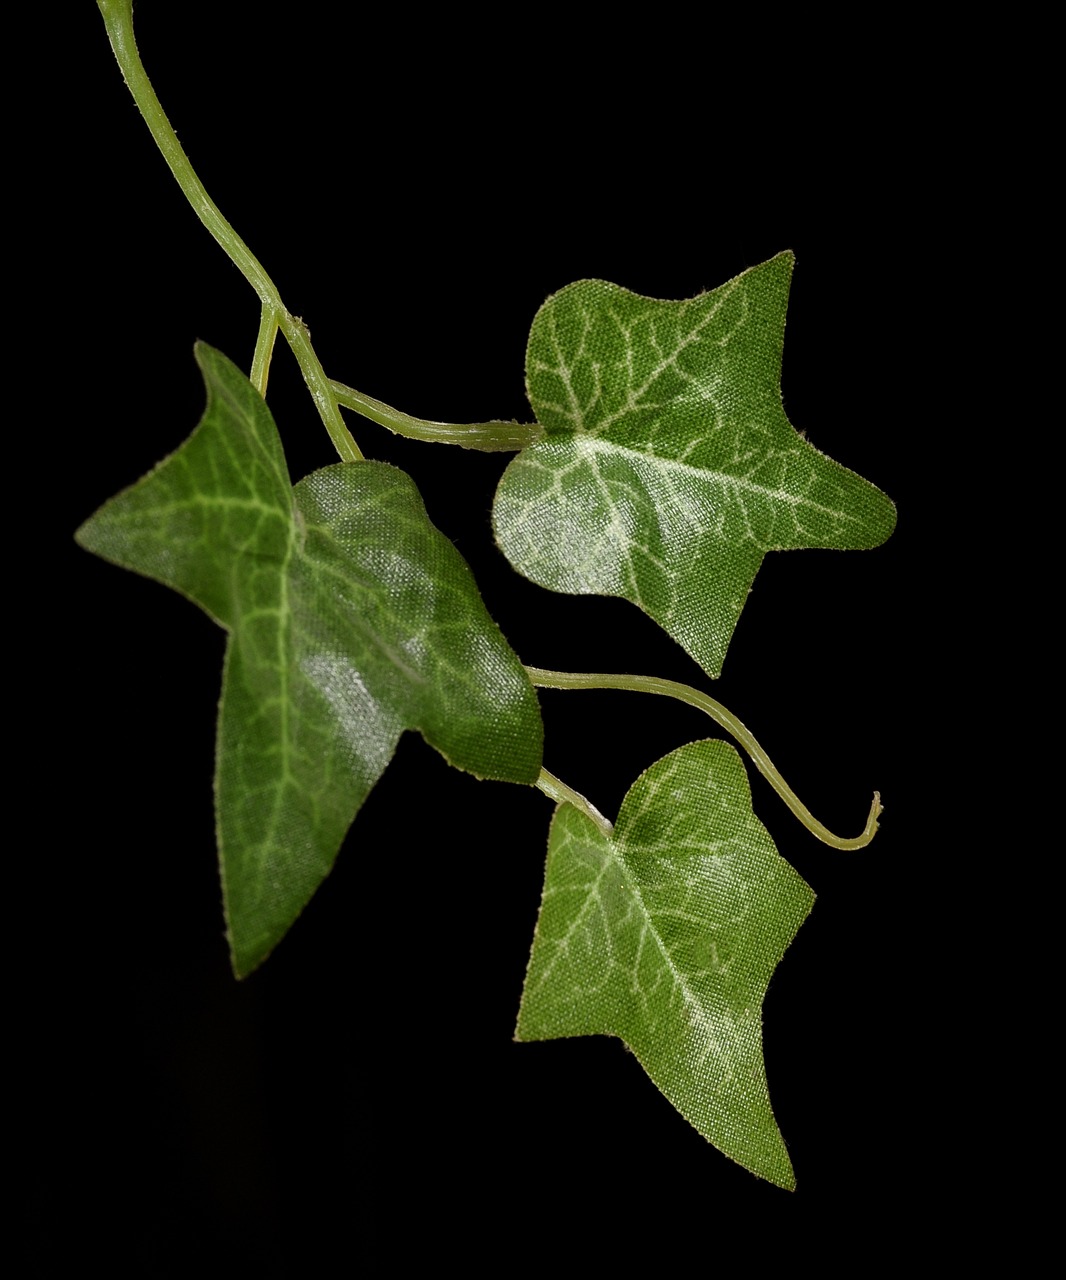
723,716
118,19
490,437
558,790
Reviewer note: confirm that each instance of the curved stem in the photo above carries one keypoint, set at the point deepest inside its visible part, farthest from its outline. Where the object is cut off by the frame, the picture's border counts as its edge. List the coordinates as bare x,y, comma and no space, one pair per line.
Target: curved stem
723,716
490,437
118,19
558,790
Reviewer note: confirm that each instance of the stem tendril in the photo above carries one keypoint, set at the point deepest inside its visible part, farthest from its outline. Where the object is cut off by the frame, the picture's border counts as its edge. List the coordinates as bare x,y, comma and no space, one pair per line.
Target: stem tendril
723,716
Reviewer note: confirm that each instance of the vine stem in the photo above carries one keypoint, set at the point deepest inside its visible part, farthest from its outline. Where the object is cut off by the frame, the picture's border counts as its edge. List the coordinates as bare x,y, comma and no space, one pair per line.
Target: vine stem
724,717
264,348
490,437
118,19
559,791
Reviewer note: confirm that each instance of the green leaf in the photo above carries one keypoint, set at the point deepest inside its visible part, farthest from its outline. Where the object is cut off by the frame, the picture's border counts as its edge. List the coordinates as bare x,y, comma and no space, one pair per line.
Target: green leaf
670,468
351,618
665,934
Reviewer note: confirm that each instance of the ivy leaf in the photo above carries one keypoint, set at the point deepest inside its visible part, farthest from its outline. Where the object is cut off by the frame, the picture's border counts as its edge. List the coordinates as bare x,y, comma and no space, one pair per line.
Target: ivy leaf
666,934
669,467
351,618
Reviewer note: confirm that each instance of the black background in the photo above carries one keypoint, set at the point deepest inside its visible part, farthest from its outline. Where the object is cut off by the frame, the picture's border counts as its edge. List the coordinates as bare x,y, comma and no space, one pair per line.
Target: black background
416,194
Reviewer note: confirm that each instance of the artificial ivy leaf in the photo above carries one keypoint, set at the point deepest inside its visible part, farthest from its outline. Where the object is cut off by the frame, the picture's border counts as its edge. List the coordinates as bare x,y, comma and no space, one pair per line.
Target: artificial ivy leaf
351,618
669,467
665,934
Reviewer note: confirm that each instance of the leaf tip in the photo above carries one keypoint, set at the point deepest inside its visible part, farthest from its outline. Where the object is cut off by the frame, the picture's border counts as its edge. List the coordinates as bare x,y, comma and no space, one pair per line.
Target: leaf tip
82,534
245,960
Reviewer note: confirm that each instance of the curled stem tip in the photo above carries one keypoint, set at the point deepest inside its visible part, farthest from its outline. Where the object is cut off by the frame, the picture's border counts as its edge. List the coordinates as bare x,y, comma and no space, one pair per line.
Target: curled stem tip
723,716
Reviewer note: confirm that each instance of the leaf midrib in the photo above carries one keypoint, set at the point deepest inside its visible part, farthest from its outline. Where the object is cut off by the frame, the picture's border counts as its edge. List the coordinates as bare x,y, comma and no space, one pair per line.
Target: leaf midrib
614,856
707,475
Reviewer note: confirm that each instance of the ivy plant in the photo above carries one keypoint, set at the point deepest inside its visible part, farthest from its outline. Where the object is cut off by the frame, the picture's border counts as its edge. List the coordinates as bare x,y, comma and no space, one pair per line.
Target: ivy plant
660,468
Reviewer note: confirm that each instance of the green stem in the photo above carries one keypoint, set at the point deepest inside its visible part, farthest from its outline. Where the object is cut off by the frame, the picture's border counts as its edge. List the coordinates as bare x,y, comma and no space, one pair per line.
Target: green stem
118,19
559,791
721,715
490,437
264,348
299,339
